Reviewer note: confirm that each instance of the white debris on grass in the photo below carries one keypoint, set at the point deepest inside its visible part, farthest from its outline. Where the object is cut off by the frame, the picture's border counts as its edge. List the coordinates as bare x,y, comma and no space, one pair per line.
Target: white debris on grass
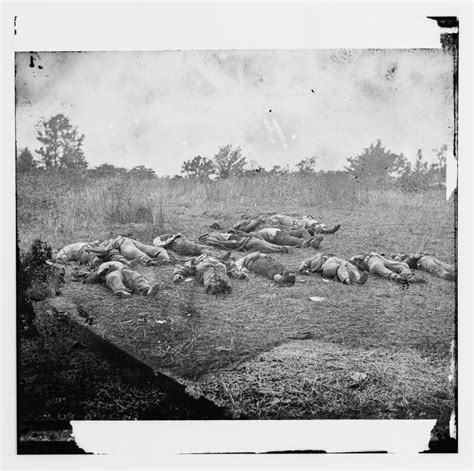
316,298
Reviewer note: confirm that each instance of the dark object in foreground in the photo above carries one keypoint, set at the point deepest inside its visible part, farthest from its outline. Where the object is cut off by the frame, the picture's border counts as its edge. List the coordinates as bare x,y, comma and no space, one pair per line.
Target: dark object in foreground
62,378
268,267
444,445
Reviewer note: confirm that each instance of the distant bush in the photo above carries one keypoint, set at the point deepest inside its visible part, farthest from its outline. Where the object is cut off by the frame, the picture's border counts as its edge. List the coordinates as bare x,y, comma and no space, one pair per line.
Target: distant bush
229,162
307,165
25,161
107,171
198,167
142,172
376,165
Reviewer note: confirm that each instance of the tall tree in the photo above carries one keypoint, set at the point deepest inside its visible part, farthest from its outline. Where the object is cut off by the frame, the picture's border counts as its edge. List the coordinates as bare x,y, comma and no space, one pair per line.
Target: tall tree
376,164
198,167
440,164
229,162
61,144
420,167
25,161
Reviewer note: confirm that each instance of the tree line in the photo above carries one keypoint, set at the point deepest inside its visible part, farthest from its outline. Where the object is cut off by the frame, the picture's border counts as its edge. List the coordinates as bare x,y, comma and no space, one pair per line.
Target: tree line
62,149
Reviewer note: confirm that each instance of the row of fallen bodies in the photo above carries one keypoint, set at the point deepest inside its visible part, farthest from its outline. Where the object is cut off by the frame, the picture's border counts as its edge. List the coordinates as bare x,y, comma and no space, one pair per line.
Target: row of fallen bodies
111,262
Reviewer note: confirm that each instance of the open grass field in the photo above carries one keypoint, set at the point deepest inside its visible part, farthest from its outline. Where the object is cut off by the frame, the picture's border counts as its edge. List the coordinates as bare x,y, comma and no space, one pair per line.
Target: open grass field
240,350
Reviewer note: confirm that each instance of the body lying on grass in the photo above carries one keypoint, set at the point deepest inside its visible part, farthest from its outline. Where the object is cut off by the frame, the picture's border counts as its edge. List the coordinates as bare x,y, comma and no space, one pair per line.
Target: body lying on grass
121,249
250,225
286,222
266,266
211,272
180,245
333,267
77,252
110,255
133,250
305,222
119,278
425,262
292,238
240,242
379,265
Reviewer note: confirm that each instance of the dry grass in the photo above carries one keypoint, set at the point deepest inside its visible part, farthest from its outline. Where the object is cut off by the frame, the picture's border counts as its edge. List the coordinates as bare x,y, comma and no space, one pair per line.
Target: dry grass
378,325
395,385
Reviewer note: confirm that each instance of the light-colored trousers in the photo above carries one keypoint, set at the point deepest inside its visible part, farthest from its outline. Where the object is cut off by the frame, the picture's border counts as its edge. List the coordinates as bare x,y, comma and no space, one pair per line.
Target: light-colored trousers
387,268
335,267
132,250
436,267
127,280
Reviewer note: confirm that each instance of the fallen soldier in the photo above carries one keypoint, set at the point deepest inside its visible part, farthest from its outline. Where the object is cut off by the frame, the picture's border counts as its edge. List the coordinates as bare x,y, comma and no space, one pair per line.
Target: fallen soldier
377,264
131,249
293,238
250,225
268,267
427,263
177,243
77,252
110,255
120,279
305,222
333,267
240,242
212,273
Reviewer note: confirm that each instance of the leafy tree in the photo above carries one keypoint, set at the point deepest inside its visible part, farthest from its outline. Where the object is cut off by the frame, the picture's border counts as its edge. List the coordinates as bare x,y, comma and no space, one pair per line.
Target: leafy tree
107,170
376,164
416,177
279,170
198,167
441,155
142,172
62,144
229,162
25,161
438,167
420,167
307,166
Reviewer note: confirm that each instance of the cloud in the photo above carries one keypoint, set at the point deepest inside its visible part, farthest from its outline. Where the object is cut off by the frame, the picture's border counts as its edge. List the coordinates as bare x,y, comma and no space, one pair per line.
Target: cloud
140,107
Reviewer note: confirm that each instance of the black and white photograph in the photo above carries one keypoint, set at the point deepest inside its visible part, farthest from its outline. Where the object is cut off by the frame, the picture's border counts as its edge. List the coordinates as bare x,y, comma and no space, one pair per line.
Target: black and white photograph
237,235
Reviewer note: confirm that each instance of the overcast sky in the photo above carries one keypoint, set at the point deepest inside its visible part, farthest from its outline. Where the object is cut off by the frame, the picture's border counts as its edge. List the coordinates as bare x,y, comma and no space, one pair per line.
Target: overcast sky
161,108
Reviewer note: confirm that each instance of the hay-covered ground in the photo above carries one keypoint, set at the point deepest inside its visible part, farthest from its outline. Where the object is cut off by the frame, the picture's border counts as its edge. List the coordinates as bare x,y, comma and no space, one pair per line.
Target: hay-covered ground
241,351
